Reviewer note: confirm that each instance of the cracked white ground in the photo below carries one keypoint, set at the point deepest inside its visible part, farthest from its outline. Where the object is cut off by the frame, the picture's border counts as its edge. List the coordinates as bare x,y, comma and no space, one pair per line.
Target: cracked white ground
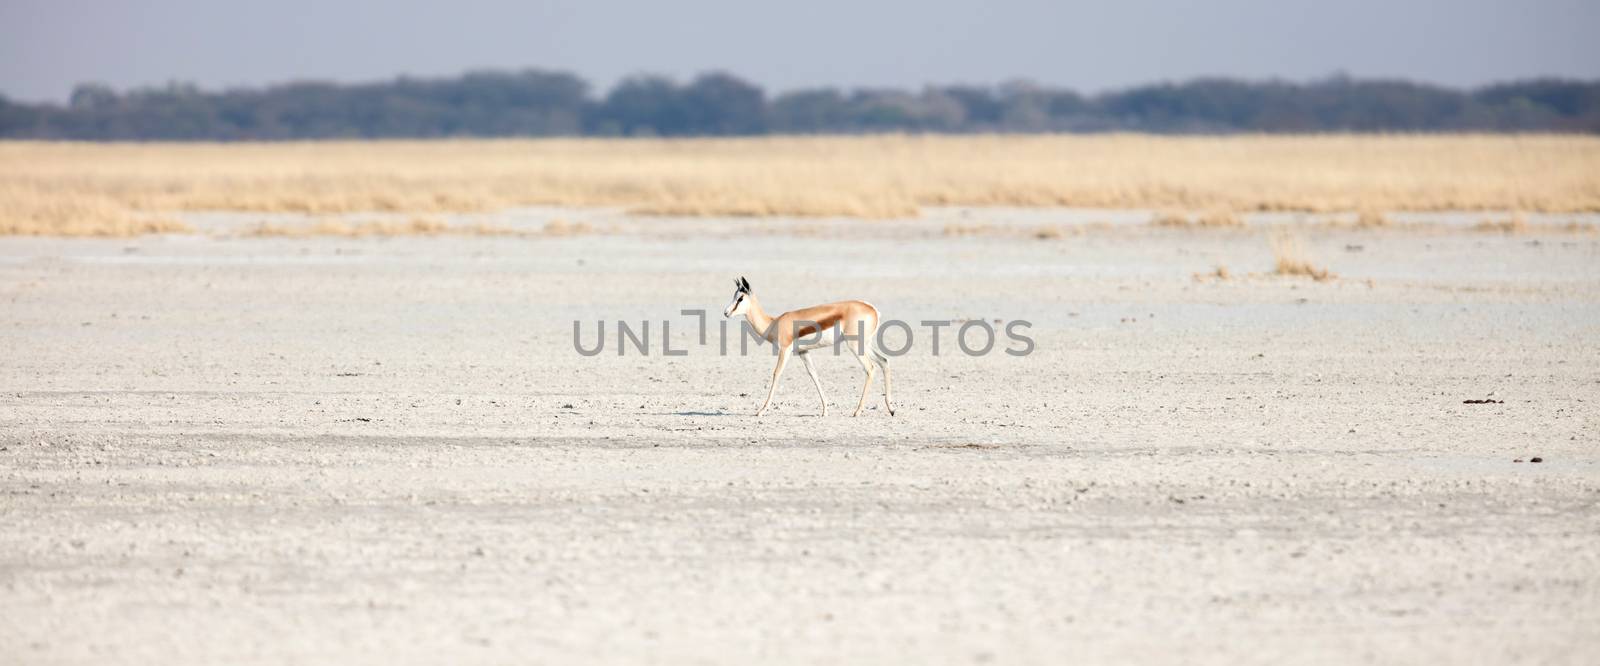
226,450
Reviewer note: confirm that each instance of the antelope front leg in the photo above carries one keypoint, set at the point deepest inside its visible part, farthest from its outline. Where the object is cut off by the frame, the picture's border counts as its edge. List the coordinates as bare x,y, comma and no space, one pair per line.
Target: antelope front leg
783,357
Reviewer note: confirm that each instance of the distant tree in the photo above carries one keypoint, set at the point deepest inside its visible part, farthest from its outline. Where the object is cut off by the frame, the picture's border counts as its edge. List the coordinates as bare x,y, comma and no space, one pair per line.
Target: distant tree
1025,107
892,110
1563,104
645,106
91,96
979,105
721,104
545,103
18,120
809,112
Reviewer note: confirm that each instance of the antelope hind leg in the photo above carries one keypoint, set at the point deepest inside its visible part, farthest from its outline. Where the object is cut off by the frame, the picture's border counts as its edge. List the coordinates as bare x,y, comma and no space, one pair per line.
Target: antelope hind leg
865,386
883,362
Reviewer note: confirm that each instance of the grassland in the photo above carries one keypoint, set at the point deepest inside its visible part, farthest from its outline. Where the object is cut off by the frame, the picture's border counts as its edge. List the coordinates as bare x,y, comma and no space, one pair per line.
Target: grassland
121,189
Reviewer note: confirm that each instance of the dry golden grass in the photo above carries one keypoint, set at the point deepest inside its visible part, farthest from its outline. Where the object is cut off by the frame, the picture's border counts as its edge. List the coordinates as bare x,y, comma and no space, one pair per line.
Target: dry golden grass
87,215
866,177
1291,259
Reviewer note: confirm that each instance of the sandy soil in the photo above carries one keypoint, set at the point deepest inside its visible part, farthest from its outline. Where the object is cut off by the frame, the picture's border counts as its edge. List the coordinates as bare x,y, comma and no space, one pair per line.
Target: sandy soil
234,450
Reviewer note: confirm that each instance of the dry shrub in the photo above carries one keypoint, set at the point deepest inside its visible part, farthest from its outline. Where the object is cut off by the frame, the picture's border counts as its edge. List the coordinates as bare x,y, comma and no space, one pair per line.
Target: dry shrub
486,229
1371,219
268,229
422,226
1169,219
1050,232
560,227
857,176
1219,219
773,203
962,230
413,227
1219,274
1291,259
1516,224
1365,218
419,226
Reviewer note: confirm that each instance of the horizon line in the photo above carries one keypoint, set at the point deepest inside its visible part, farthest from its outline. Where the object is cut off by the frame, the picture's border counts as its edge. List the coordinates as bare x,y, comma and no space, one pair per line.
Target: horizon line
592,88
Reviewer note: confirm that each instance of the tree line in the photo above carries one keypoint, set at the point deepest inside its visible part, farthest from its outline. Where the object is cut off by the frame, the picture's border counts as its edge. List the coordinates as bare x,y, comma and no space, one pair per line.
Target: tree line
545,103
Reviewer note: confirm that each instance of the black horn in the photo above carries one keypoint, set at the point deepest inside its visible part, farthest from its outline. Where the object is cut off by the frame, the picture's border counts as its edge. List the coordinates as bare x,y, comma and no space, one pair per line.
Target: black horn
744,284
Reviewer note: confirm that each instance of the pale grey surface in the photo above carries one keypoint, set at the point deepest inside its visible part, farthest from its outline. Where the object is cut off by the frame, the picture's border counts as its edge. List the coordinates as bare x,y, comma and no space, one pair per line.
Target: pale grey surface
380,451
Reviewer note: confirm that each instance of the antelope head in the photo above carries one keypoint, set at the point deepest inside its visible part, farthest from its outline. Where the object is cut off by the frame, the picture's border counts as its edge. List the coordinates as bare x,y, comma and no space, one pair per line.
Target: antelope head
741,298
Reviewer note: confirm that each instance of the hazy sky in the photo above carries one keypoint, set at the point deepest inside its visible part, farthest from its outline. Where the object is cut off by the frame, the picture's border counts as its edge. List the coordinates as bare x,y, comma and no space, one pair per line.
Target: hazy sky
46,46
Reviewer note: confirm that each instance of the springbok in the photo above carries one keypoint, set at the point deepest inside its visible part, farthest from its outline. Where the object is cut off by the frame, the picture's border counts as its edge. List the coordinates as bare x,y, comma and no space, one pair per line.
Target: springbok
806,329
